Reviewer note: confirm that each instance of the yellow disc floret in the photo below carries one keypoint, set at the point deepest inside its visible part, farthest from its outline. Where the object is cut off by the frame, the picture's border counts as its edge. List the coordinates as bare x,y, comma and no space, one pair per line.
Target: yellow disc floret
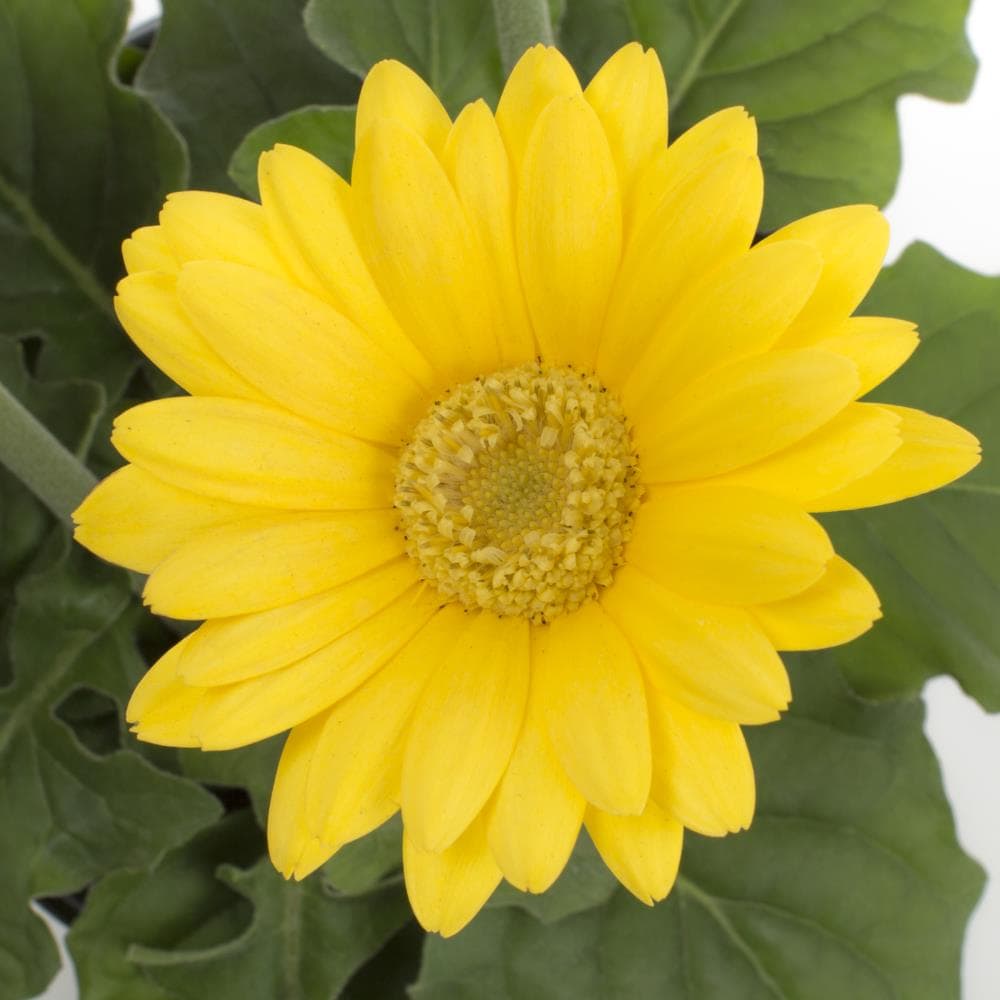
517,491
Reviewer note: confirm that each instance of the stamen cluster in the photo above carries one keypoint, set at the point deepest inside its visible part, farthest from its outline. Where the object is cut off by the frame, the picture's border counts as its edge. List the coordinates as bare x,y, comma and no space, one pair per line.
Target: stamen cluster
517,491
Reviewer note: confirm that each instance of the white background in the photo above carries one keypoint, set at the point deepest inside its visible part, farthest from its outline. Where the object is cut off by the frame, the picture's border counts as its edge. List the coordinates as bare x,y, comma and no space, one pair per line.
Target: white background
948,195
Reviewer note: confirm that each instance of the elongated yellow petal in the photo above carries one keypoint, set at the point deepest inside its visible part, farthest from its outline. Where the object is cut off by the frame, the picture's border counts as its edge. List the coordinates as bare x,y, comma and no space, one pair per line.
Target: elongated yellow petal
541,75
716,660
308,209
288,835
299,351
253,453
448,889
934,452
162,706
702,772
479,167
393,91
643,852
147,249
739,310
744,412
136,520
853,240
254,709
464,728
535,816
695,226
595,707
147,307
728,544
268,560
859,439
568,229
876,346
727,131
629,95
226,650
357,774
422,252
203,225
839,607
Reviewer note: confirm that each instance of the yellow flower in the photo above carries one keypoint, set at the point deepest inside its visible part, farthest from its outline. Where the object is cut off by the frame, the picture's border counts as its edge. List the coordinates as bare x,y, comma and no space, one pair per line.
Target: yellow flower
495,477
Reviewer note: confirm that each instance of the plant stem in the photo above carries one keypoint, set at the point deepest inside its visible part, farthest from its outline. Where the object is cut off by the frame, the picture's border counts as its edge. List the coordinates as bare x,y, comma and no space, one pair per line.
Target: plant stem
27,447
521,24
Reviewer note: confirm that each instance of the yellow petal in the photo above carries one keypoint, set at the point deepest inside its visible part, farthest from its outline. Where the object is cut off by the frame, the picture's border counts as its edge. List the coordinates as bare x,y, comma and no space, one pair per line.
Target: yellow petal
643,852
359,760
393,91
629,95
147,307
535,816
695,226
702,772
727,131
541,75
876,346
226,650
477,163
728,544
147,249
934,452
422,252
252,710
839,607
137,520
448,889
288,835
716,660
162,706
743,412
268,560
253,453
595,708
568,228
299,351
464,728
853,240
203,225
739,310
308,209
859,439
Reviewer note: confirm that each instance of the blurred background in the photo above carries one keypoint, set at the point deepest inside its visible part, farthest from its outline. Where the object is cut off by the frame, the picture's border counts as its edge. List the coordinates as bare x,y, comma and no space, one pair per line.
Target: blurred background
949,196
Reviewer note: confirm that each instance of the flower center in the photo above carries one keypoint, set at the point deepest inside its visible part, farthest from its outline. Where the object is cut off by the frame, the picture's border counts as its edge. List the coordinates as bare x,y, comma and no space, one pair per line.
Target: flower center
517,491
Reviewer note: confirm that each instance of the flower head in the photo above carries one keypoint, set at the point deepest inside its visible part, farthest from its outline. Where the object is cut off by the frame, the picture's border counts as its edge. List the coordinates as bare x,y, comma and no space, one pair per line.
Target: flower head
495,478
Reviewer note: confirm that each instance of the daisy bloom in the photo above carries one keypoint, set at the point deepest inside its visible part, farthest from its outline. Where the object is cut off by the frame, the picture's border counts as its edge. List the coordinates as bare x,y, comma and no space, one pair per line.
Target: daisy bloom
495,475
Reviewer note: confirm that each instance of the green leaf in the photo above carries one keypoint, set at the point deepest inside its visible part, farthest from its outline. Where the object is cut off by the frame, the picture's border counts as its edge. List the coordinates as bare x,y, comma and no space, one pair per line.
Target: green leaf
70,814
217,69
452,46
180,905
850,883
935,560
363,864
822,79
326,132
303,941
251,768
80,167
387,975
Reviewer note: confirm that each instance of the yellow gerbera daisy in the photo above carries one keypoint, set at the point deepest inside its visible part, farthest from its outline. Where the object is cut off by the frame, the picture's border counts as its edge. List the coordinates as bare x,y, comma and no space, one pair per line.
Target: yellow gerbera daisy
495,477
